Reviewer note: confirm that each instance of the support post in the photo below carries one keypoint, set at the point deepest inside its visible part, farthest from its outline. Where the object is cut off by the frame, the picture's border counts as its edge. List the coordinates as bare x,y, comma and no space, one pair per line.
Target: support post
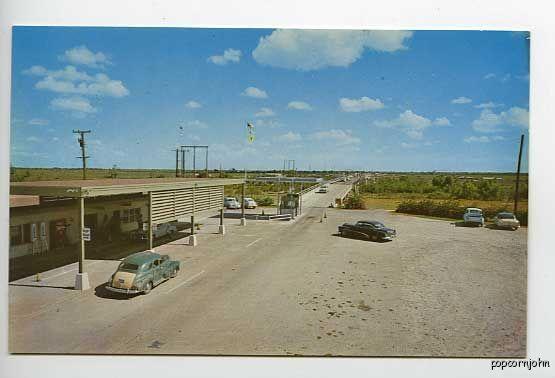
182,163
176,162
206,162
150,235
194,161
221,227
243,220
82,278
518,174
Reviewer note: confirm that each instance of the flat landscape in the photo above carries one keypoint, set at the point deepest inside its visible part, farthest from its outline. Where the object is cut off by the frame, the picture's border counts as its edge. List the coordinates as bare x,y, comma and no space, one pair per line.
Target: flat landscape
297,288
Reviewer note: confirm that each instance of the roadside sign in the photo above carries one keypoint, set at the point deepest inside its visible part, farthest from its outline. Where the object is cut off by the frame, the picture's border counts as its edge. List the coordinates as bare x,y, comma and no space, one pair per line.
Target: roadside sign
86,234
145,226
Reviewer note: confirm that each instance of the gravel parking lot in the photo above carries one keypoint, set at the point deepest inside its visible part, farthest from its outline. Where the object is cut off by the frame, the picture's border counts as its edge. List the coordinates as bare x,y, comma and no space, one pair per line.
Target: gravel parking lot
296,288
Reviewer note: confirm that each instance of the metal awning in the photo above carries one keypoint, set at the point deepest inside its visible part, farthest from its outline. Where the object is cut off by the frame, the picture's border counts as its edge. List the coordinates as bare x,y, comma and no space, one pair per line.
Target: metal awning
108,187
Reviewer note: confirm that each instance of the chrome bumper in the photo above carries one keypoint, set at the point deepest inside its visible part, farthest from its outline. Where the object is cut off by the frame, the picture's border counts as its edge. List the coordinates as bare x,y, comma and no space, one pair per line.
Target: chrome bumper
122,291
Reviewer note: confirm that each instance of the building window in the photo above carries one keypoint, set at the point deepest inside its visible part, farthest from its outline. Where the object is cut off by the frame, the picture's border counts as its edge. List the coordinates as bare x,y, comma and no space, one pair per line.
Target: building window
16,235
130,215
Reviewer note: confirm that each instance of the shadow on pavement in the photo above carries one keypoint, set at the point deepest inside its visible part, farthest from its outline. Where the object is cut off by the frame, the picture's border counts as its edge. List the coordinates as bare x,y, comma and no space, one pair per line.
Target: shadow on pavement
46,286
462,224
101,292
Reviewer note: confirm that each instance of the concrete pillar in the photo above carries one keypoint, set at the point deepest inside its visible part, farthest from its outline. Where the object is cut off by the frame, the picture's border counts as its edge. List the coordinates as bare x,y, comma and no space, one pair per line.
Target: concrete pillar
221,227
82,278
192,225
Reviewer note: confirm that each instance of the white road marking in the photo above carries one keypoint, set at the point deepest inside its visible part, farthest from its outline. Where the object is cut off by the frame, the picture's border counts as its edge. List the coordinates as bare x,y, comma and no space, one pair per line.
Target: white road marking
257,240
186,281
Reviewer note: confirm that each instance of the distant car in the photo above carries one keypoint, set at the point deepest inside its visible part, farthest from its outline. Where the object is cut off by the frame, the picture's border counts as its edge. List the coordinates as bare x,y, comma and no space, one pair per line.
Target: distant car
506,220
473,215
322,189
159,230
140,272
231,203
249,203
371,230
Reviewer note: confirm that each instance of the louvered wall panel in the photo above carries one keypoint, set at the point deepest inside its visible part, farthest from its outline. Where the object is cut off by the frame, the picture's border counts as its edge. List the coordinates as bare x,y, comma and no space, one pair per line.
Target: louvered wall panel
169,205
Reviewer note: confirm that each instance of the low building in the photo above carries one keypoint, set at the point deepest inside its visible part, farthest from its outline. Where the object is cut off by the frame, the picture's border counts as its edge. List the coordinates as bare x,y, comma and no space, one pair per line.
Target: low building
46,215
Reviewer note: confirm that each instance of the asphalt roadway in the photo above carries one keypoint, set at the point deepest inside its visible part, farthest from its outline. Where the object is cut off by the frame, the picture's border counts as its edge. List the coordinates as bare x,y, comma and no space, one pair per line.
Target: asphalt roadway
296,288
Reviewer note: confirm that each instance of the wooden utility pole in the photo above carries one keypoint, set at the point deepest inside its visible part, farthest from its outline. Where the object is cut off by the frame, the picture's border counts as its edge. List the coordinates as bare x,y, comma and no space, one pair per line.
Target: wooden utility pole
177,162
82,144
518,174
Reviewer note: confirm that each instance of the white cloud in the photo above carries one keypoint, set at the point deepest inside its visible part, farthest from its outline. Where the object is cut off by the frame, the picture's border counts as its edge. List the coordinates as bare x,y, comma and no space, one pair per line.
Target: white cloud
229,56
69,73
272,123
483,139
490,122
82,55
412,124
193,105
265,112
100,85
254,93
38,122
461,100
489,76
307,50
407,145
442,121
78,105
360,105
299,105
338,136
33,139
290,137
197,124
487,105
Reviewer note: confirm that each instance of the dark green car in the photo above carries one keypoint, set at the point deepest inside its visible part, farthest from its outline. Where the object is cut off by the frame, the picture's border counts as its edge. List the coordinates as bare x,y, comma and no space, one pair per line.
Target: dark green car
140,272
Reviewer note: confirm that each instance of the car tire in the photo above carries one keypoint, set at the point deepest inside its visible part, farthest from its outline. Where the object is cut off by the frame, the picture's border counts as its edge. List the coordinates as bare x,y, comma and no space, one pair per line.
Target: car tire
374,238
173,273
148,288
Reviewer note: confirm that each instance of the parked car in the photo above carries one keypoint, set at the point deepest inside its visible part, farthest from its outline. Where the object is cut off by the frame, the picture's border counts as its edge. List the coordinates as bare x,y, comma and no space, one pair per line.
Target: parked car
371,230
506,220
249,203
473,215
231,203
159,230
141,271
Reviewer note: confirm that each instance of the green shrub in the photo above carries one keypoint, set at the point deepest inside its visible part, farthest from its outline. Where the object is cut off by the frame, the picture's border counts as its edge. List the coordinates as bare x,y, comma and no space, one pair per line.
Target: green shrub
265,201
355,201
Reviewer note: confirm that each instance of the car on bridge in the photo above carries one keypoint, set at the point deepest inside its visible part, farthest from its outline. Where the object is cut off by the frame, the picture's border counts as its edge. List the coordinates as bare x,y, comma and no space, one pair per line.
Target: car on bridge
368,229
322,189
141,271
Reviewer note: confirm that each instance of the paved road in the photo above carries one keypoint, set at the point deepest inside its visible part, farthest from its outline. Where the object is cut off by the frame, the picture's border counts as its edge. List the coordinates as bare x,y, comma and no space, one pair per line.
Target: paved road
287,288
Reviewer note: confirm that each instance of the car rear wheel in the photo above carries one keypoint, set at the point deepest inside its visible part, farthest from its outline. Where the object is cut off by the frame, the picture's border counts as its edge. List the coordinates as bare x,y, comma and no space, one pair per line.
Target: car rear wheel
148,287
374,237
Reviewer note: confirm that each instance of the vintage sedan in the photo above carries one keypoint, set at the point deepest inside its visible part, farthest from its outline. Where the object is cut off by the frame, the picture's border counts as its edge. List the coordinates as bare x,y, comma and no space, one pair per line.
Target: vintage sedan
506,220
140,272
371,230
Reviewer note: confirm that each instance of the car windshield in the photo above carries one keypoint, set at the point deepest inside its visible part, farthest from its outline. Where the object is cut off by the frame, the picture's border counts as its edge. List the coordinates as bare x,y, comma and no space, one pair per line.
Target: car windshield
506,216
475,211
128,266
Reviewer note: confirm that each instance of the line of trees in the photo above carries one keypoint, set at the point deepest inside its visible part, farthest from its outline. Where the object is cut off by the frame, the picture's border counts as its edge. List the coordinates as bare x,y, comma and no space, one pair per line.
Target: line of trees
444,187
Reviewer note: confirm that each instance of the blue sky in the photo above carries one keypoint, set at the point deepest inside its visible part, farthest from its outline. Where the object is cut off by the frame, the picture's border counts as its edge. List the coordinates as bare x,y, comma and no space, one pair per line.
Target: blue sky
373,100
